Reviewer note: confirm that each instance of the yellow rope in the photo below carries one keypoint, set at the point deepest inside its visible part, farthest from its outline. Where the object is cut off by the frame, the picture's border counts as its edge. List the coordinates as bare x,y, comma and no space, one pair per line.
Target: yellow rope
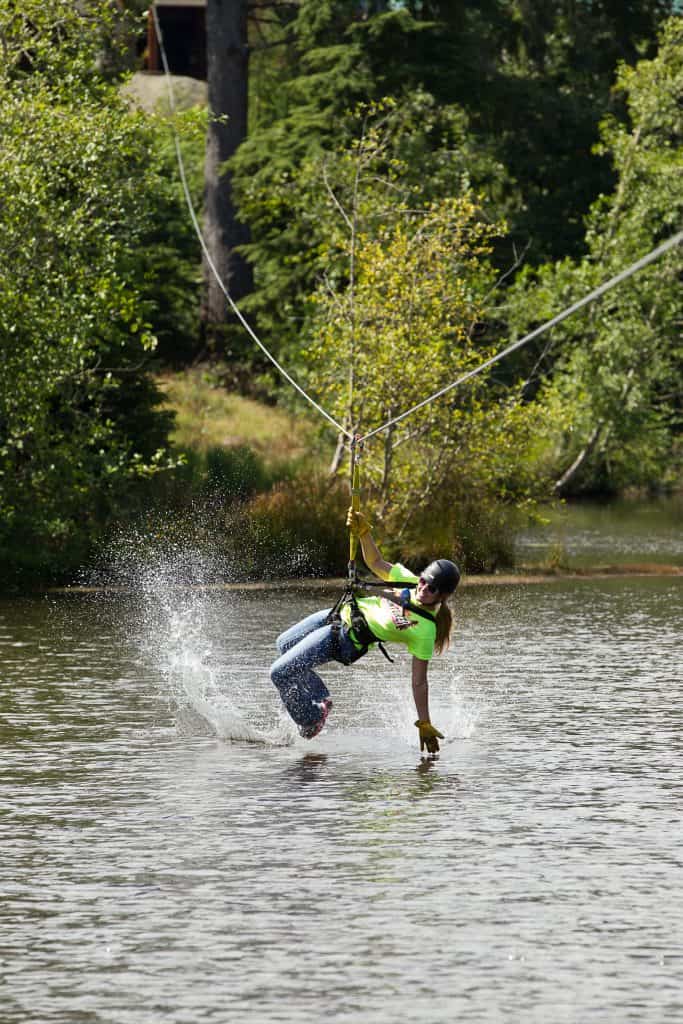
355,502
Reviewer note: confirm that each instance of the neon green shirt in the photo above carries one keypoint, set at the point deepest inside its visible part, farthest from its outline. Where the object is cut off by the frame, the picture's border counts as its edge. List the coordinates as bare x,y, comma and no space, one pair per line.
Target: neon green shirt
390,623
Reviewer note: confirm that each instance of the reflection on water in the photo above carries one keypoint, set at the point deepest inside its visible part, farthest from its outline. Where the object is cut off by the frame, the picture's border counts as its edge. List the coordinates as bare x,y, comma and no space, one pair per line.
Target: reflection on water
228,870
615,533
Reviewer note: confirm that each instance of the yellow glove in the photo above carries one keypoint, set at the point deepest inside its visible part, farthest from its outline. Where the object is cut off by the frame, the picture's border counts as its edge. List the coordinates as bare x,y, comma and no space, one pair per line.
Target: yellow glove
429,736
357,523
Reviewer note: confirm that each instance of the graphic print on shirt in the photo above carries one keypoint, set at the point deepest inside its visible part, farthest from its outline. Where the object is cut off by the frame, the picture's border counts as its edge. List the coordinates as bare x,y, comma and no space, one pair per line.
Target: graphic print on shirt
398,618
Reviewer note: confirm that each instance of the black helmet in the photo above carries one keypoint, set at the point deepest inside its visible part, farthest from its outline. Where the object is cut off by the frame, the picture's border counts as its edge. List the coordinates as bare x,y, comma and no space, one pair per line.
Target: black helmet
442,574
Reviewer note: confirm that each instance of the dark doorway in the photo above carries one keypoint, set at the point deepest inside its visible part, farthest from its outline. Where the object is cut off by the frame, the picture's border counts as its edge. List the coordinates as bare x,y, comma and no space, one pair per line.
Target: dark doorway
184,34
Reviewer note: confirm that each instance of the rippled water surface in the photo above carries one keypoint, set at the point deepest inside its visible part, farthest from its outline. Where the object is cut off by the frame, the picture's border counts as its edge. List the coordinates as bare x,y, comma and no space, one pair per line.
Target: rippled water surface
616,532
172,852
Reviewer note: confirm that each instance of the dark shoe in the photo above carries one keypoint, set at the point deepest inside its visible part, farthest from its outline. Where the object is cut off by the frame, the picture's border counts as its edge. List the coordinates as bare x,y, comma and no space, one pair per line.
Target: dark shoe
309,732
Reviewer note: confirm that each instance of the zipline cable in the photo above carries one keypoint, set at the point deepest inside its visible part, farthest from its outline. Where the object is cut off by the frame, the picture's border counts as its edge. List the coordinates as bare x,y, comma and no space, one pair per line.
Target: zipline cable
198,231
595,294
358,439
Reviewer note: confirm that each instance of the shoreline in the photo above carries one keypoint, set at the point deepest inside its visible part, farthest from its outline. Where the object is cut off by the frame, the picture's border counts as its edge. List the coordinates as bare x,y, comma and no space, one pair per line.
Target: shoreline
522,575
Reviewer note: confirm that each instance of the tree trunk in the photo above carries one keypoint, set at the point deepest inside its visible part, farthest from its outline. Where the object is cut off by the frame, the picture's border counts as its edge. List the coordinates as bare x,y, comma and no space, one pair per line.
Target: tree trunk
587,450
338,455
591,444
227,68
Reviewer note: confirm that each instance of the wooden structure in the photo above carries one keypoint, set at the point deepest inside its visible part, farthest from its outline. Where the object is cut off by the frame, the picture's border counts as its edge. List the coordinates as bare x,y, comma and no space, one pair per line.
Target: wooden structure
183,27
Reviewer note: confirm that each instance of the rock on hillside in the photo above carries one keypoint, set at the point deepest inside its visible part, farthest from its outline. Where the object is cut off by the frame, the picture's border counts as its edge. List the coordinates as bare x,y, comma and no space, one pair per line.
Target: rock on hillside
150,91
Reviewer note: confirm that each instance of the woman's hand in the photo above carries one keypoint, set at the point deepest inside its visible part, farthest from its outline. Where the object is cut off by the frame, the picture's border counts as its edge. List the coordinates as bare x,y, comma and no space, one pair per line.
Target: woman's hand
429,734
357,523
361,529
429,737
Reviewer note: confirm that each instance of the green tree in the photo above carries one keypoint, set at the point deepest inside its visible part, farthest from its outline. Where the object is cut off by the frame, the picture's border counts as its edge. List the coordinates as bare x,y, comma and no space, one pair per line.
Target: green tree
80,188
399,313
512,92
612,387
541,89
290,248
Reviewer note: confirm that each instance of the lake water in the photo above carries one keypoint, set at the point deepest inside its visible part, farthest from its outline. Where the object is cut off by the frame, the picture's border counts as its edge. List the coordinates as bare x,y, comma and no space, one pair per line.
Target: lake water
590,533
172,852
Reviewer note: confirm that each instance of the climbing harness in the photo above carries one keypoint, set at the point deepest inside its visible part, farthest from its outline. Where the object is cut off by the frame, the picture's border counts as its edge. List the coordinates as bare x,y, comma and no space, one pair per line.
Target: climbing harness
360,628
361,631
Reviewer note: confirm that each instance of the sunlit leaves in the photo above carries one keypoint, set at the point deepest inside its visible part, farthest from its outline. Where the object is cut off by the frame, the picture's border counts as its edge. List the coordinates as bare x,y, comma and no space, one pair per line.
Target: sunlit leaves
614,396
398,314
81,184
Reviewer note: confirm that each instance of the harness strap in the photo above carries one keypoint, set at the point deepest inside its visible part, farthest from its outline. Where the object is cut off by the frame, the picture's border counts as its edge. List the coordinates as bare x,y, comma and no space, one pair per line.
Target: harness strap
335,620
363,632
359,624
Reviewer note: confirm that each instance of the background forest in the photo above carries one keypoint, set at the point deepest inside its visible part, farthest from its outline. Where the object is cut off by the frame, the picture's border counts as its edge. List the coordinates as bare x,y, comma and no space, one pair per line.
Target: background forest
420,184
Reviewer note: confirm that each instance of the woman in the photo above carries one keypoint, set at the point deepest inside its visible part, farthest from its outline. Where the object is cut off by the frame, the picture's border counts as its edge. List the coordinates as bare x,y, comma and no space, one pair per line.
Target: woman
423,625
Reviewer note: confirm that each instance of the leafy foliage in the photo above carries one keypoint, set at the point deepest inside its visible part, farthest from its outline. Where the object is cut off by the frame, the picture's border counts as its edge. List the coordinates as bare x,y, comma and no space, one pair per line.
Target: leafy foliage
399,314
527,81
374,242
285,206
542,85
612,390
80,188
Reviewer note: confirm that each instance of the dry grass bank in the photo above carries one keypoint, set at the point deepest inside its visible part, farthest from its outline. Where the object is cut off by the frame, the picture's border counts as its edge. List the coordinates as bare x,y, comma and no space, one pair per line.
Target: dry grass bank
208,416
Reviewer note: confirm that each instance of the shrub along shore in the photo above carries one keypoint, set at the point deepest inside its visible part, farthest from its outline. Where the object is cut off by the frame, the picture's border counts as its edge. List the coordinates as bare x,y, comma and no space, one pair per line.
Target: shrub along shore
252,499
251,504
406,223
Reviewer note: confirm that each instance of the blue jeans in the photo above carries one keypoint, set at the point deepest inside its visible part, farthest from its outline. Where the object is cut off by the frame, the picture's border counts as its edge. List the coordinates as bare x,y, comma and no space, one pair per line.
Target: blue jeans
302,647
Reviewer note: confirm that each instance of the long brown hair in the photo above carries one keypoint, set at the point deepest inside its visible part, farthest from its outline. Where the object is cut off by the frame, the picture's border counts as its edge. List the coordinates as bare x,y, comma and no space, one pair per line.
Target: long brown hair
444,625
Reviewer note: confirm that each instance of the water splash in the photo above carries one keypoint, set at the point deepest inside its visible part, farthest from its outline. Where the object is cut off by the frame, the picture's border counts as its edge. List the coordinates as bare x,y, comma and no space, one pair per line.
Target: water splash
179,615
205,647
192,662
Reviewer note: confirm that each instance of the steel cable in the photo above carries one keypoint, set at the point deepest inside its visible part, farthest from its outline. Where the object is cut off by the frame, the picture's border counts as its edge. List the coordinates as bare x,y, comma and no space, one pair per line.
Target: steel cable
537,332
198,231
595,294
